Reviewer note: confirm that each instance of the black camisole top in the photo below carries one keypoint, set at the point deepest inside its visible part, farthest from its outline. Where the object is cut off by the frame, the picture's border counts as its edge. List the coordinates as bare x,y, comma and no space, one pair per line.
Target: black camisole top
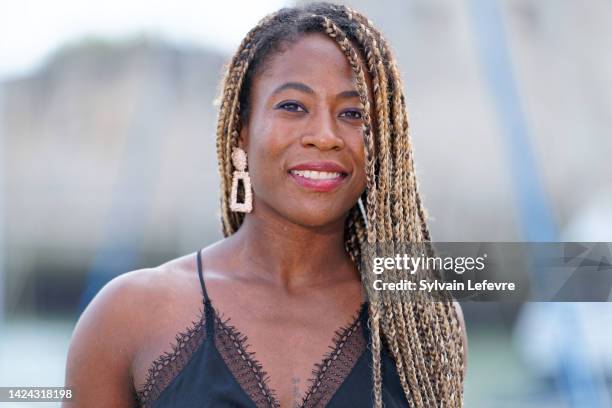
210,366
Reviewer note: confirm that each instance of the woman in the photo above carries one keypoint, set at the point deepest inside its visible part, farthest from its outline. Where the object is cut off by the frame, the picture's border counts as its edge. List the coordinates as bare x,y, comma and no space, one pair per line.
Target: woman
316,164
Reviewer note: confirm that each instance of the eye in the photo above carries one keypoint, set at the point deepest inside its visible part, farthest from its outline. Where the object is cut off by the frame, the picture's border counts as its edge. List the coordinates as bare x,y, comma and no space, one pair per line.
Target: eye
290,106
352,114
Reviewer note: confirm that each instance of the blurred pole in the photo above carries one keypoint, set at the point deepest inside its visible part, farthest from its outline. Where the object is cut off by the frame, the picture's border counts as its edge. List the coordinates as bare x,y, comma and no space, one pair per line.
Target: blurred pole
575,376
534,210
2,210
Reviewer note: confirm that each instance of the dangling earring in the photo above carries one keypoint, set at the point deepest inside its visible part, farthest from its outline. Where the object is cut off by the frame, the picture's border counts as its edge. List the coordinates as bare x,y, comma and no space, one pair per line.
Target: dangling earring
239,159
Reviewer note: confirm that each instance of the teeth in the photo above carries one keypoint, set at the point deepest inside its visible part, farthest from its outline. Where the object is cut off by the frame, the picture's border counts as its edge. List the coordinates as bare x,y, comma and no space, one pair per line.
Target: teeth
316,175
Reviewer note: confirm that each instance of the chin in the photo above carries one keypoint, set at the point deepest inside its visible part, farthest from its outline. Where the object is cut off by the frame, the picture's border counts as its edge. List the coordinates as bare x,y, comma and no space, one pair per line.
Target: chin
307,212
315,217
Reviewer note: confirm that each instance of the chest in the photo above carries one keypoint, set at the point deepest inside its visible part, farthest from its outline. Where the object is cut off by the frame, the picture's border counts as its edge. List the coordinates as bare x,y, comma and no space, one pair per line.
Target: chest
274,362
289,363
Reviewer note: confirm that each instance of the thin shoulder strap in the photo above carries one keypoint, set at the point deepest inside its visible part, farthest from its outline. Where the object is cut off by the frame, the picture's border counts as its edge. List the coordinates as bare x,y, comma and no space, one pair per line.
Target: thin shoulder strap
209,316
201,275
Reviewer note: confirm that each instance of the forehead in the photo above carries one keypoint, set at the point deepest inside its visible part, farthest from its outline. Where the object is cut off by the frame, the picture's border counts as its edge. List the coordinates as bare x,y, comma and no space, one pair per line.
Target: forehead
314,56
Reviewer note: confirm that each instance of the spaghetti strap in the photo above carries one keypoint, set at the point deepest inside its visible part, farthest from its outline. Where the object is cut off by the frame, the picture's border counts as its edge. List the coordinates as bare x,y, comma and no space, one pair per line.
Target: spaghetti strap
209,314
201,275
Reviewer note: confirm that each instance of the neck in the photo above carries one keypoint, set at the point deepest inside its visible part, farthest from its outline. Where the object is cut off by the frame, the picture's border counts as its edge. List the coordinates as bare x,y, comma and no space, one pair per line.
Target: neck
291,255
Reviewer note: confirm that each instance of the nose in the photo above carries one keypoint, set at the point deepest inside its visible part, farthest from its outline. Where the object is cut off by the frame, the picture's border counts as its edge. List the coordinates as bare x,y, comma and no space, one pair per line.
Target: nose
321,134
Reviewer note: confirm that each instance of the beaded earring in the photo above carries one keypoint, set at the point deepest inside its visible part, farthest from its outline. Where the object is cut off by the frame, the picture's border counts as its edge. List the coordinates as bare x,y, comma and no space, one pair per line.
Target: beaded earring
239,159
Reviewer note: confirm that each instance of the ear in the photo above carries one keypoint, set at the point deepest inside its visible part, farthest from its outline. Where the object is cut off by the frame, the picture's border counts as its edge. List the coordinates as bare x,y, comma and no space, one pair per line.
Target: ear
243,137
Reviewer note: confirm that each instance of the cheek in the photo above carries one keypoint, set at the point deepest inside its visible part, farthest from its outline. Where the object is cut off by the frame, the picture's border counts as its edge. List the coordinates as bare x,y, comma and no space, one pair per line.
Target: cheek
266,146
358,150
361,181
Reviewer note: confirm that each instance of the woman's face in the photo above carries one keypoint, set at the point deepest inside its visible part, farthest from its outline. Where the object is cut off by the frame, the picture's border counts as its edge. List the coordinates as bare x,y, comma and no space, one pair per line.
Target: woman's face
304,137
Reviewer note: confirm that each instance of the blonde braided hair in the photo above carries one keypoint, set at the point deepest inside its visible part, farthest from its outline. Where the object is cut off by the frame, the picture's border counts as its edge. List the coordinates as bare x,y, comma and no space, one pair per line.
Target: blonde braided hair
425,337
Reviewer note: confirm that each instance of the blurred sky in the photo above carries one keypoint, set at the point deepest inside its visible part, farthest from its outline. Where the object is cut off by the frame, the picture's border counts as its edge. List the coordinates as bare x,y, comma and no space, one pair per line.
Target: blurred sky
31,30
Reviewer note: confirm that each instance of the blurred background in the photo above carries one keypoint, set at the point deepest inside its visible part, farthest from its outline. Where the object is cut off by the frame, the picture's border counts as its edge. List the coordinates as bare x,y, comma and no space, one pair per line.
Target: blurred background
108,163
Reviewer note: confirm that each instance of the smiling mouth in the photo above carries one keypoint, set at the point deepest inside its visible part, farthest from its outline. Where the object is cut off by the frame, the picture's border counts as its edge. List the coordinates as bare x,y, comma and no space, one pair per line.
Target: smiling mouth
318,181
318,175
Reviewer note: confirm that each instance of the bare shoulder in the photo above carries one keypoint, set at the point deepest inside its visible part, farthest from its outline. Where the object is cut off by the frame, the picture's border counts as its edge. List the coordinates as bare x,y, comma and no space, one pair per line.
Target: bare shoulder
459,311
461,319
115,326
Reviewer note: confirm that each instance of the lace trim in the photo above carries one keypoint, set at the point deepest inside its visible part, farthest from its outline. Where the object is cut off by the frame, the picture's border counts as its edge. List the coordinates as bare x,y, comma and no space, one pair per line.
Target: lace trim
336,366
249,373
327,377
167,366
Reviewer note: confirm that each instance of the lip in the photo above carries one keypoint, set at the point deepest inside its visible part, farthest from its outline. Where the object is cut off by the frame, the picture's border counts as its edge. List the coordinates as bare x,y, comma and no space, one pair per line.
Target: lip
319,185
321,166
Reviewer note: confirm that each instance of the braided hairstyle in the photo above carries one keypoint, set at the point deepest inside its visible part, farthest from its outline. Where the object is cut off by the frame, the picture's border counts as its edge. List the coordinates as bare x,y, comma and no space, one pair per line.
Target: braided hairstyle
425,338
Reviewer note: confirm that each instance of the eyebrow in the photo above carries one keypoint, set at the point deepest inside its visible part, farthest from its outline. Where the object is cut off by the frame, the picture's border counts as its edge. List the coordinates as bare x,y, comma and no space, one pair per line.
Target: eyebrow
348,94
299,86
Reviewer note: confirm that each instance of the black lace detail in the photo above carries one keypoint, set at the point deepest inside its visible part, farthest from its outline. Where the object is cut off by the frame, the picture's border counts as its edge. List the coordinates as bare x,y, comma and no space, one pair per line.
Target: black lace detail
249,373
347,347
167,366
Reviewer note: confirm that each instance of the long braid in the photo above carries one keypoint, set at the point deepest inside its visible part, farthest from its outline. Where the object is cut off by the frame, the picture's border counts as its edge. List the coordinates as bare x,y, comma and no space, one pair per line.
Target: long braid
380,86
424,337
228,120
374,235
380,89
456,357
397,210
